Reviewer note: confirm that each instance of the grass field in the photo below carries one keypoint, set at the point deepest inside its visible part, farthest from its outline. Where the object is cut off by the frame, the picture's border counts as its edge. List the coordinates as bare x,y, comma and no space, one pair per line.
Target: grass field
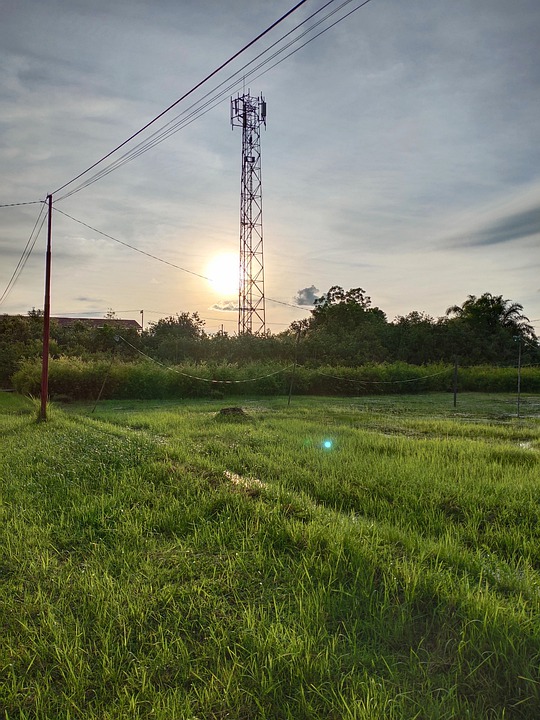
352,558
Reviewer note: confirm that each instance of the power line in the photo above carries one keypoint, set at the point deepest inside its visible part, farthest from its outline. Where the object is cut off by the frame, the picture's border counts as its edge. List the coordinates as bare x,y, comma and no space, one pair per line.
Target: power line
131,247
293,52
28,248
282,302
167,130
154,257
32,202
162,313
169,314
185,118
183,97
198,108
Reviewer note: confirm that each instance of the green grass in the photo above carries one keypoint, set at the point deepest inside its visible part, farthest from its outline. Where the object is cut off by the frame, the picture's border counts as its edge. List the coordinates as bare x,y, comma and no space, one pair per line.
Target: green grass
160,560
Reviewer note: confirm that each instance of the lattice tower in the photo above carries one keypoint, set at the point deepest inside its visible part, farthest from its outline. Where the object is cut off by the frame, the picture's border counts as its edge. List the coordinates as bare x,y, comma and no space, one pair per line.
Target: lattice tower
249,113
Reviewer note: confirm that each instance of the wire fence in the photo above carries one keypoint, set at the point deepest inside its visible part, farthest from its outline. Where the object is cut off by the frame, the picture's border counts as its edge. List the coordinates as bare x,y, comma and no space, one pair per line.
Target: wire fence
203,379
280,371
384,382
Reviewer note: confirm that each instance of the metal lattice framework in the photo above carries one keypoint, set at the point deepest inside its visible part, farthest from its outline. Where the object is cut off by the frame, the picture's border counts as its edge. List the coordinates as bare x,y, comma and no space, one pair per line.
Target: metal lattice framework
249,113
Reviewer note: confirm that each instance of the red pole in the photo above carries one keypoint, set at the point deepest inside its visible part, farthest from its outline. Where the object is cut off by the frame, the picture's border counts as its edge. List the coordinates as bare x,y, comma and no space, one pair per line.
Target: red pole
46,319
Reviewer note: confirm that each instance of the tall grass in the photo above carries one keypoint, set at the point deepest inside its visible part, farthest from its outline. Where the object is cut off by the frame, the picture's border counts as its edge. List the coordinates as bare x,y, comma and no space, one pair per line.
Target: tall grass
76,379
166,561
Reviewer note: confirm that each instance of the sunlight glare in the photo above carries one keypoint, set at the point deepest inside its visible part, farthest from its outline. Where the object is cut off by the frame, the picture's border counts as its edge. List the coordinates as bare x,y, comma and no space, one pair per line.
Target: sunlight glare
222,272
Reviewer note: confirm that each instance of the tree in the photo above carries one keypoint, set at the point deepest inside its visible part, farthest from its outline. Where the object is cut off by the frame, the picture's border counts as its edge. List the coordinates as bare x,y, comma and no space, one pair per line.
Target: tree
183,325
20,337
176,338
415,338
344,327
339,310
337,295
492,311
297,327
487,326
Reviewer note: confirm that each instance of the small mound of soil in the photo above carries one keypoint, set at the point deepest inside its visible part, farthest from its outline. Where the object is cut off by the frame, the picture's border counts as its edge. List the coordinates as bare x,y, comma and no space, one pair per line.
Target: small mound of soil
233,411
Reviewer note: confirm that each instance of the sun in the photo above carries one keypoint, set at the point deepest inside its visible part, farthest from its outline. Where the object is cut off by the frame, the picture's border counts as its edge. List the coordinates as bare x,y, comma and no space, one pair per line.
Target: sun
222,273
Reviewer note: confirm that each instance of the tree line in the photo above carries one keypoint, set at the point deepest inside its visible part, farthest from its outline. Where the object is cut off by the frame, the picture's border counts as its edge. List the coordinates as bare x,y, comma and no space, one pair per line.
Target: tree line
343,328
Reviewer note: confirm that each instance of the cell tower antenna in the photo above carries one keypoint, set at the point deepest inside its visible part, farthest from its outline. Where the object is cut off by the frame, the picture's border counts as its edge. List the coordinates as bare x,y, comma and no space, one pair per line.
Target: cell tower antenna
249,113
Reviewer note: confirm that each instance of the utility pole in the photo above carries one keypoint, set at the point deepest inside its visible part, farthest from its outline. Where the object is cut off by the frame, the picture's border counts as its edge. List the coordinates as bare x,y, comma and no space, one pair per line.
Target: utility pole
249,113
46,318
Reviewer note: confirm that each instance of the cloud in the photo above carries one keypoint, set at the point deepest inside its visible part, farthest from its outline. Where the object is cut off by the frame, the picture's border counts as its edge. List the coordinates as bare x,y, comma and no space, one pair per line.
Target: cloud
306,296
225,306
512,227
508,218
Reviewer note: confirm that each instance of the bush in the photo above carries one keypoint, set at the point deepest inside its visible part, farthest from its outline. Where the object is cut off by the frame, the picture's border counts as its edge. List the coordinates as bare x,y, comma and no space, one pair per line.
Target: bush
485,378
79,379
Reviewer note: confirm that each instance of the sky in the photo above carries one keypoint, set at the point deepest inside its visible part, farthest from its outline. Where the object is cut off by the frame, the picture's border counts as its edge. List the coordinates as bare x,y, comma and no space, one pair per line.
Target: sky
401,155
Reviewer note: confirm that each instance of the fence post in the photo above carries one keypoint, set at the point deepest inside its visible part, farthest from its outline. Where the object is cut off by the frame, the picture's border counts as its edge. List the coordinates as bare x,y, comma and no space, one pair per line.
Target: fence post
519,377
294,368
455,380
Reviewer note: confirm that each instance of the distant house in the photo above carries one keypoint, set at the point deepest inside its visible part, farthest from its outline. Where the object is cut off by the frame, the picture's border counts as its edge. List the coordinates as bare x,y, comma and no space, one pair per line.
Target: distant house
98,322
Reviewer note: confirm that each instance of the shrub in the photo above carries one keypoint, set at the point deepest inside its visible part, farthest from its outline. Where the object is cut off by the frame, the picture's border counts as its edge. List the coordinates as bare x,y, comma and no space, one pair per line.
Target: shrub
77,379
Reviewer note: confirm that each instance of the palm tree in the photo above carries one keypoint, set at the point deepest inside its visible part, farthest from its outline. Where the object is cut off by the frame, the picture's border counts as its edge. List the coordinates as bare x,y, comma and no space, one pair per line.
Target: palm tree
493,311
